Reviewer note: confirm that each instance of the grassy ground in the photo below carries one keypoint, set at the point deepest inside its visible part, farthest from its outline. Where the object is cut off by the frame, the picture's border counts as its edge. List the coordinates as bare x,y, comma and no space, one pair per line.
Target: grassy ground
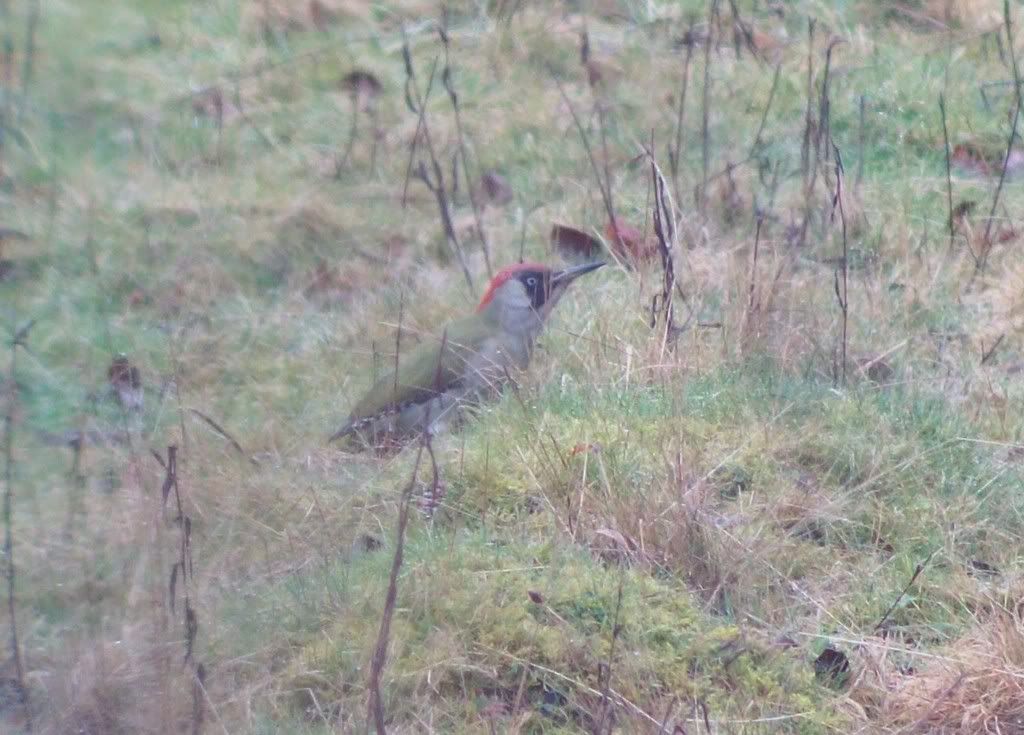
644,533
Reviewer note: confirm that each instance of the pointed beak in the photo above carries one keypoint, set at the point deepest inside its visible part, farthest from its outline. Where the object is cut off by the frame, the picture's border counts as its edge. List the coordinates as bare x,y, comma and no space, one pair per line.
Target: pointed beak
567,276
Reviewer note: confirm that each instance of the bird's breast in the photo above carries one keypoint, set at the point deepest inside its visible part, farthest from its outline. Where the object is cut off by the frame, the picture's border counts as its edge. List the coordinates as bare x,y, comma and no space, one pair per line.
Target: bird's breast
489,366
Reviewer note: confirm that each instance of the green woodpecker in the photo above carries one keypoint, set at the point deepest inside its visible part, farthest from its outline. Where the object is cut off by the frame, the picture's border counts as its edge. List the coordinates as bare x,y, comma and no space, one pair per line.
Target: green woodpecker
470,360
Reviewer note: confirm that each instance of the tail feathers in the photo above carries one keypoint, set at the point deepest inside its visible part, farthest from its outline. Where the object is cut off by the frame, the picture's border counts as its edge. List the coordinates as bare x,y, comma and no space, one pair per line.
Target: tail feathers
350,427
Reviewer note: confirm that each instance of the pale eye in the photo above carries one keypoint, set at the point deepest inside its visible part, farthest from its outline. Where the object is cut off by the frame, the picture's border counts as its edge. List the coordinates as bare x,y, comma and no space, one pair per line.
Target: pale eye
531,281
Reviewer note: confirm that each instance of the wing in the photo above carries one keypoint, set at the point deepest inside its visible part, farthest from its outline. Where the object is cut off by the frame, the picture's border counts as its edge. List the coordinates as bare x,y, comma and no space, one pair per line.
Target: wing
422,373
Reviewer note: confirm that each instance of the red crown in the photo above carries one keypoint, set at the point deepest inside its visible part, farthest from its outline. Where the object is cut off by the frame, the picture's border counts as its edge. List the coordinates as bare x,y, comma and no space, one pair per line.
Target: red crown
509,271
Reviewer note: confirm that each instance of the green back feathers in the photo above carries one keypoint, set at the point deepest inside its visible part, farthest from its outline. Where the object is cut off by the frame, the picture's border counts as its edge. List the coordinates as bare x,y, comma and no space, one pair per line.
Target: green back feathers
425,371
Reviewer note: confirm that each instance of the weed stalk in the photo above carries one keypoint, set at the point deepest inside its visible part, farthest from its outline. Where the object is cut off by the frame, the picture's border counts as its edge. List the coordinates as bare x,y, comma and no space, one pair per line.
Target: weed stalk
453,97
18,341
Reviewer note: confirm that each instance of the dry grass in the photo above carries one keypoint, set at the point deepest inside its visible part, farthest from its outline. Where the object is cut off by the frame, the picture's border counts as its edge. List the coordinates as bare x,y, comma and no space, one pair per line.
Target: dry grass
751,508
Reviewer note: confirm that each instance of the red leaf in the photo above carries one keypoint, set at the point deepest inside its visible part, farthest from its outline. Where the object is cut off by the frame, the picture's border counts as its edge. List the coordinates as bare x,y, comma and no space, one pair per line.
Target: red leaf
627,241
572,243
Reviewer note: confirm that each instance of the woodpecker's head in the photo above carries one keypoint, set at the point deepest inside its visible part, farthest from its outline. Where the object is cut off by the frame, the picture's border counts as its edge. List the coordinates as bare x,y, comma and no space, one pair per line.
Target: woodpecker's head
521,296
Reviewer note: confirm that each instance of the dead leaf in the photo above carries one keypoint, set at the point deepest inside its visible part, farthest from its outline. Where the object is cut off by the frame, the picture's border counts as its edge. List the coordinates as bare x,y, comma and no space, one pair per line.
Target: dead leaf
832,666
729,199
535,597
364,87
494,189
211,103
585,448
137,297
329,285
963,209
768,45
973,159
602,72
395,246
573,244
126,382
875,368
1006,234
628,242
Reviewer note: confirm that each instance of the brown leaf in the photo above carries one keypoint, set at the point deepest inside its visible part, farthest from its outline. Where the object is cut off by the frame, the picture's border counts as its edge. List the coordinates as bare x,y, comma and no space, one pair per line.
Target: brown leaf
395,246
729,199
973,159
494,189
363,86
602,72
1006,234
584,448
963,209
122,373
329,285
535,597
211,103
832,666
628,242
137,297
126,382
875,368
572,244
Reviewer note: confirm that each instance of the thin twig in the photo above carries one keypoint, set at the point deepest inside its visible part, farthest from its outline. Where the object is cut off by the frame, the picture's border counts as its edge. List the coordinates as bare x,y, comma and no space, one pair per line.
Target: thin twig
7,63
745,31
987,241
446,79
17,341
676,152
1011,44
949,174
398,345
805,145
375,705
223,433
844,297
30,54
751,290
418,106
605,671
986,244
602,125
605,195
755,147
986,355
860,146
705,134
917,572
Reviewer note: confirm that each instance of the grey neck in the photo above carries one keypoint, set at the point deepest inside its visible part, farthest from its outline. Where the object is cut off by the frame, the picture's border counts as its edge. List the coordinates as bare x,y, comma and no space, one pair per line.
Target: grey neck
512,309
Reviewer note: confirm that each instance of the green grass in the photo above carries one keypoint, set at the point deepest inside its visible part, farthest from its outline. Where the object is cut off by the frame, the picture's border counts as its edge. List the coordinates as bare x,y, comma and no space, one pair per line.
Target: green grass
750,507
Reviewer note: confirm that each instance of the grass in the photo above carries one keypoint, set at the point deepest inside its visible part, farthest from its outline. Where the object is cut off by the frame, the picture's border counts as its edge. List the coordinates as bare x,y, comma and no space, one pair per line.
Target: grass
691,527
